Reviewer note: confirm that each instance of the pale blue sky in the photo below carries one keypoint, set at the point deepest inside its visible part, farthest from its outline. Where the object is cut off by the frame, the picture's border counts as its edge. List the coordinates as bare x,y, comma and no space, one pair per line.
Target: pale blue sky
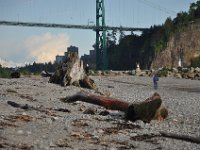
28,44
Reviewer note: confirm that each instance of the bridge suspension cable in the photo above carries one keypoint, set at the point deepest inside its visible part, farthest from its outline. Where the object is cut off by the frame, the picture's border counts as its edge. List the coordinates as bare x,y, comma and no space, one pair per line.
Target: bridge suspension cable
158,7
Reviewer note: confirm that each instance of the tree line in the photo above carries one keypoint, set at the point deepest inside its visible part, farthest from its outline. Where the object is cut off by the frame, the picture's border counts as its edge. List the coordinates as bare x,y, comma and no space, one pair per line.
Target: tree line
35,68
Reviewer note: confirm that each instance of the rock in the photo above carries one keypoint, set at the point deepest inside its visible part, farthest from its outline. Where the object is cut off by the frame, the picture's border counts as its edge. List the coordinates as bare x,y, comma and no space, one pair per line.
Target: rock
170,74
197,70
142,74
197,76
185,76
133,134
90,111
100,131
191,70
104,113
62,143
99,72
77,134
86,82
175,70
52,144
20,132
191,75
49,120
92,72
178,75
29,132
131,72
137,72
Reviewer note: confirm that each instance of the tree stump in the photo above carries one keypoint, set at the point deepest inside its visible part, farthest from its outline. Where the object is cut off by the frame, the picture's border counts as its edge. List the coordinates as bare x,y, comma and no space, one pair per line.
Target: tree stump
71,72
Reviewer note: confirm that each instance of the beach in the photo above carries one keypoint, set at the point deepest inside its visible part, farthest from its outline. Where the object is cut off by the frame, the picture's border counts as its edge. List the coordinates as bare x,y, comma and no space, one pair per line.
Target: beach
53,124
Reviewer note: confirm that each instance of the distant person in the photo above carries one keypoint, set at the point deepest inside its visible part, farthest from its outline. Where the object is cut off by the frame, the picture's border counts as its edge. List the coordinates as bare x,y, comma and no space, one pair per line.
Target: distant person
155,81
87,69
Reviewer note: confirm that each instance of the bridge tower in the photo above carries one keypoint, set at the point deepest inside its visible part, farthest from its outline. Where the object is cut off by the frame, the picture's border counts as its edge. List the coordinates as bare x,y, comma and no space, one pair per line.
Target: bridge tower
101,51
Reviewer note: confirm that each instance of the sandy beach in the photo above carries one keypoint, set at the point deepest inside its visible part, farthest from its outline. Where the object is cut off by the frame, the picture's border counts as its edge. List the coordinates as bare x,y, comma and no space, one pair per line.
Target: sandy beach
52,124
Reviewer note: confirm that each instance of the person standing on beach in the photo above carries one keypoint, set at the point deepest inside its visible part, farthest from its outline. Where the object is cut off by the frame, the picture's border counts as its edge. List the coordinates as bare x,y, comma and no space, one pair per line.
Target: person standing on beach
87,69
155,81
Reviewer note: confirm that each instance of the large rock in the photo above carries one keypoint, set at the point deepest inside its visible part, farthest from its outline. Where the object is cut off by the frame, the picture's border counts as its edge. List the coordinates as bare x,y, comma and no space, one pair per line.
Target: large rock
187,41
197,70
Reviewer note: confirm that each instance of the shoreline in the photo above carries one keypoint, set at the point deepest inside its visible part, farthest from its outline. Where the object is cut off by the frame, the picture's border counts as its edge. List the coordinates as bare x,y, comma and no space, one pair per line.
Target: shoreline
76,130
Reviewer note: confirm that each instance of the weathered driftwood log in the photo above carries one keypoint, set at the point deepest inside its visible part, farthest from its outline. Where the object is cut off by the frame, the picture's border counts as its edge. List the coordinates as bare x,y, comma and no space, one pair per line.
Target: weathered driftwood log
44,73
181,137
41,109
72,73
151,108
15,74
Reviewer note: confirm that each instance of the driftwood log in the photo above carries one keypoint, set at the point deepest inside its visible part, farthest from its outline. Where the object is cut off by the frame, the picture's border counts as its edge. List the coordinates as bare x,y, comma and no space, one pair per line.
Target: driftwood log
181,137
151,108
15,74
40,109
71,72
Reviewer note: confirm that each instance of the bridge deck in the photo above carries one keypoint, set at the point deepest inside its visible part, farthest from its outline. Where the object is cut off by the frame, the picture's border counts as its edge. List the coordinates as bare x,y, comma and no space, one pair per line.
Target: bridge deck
54,25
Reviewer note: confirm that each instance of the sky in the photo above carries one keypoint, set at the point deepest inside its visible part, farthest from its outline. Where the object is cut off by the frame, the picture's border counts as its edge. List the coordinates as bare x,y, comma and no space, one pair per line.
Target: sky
24,45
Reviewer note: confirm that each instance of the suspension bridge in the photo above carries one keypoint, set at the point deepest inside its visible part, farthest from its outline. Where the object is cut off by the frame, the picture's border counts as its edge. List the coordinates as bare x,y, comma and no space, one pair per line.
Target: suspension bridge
54,25
100,28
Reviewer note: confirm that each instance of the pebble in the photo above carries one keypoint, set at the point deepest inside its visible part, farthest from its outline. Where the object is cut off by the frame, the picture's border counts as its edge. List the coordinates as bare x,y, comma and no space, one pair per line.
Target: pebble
133,134
20,132
44,131
90,111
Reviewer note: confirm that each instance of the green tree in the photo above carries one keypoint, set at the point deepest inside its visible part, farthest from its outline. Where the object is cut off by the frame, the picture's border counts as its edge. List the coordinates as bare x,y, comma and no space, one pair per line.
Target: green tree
121,35
114,36
169,27
194,11
195,62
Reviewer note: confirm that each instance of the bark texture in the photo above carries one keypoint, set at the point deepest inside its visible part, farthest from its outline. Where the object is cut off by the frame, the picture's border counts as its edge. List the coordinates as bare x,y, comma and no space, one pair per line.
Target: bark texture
71,72
151,108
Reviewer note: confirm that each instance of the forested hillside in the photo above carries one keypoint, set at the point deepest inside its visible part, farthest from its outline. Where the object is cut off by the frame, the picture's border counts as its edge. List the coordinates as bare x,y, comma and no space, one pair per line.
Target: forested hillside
175,38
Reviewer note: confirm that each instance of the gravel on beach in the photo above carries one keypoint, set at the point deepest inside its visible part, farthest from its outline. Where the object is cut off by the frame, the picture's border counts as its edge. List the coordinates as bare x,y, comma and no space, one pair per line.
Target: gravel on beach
52,124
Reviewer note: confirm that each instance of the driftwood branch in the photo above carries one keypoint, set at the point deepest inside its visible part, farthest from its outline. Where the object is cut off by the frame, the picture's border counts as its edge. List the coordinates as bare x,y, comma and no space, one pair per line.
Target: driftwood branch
181,137
151,108
40,109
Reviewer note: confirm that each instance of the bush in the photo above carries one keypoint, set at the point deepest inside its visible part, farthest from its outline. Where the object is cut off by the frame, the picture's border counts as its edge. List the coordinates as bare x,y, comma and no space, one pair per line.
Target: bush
163,72
195,62
25,72
4,72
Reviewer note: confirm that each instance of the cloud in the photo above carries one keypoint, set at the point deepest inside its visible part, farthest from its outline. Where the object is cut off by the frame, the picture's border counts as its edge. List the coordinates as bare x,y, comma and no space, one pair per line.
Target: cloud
9,64
44,47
